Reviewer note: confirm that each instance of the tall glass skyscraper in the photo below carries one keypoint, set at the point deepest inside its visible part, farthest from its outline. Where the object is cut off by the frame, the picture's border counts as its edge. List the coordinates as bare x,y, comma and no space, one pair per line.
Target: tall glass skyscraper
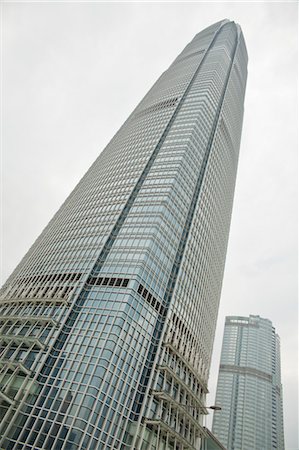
249,388
107,324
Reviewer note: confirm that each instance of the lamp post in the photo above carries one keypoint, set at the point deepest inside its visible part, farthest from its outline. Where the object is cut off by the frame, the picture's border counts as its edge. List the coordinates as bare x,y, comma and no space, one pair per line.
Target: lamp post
214,407
205,440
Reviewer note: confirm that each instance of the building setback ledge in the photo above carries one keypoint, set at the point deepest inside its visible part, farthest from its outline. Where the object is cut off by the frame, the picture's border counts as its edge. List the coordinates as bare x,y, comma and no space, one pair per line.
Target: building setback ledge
243,370
179,407
163,426
185,386
187,364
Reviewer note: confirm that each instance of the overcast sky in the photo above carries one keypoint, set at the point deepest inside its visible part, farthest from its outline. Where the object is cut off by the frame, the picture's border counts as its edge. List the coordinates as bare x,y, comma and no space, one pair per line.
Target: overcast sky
72,73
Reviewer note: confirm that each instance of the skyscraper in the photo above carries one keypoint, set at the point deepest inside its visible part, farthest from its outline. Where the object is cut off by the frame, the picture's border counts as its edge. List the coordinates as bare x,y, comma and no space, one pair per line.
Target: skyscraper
108,321
249,388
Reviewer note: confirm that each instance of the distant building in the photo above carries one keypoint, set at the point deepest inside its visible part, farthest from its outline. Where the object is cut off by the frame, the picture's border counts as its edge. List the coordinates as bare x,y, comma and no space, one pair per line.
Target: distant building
107,324
249,388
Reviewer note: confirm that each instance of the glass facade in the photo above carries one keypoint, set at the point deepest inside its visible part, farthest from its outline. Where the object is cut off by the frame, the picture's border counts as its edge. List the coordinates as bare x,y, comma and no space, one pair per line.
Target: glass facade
209,442
249,388
108,321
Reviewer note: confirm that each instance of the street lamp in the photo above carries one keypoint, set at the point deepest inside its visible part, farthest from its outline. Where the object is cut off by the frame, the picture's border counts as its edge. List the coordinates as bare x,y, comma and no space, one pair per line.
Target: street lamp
205,439
214,407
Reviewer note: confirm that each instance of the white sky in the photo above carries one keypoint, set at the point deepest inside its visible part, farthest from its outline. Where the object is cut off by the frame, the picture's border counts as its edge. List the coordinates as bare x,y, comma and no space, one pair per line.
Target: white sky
72,73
